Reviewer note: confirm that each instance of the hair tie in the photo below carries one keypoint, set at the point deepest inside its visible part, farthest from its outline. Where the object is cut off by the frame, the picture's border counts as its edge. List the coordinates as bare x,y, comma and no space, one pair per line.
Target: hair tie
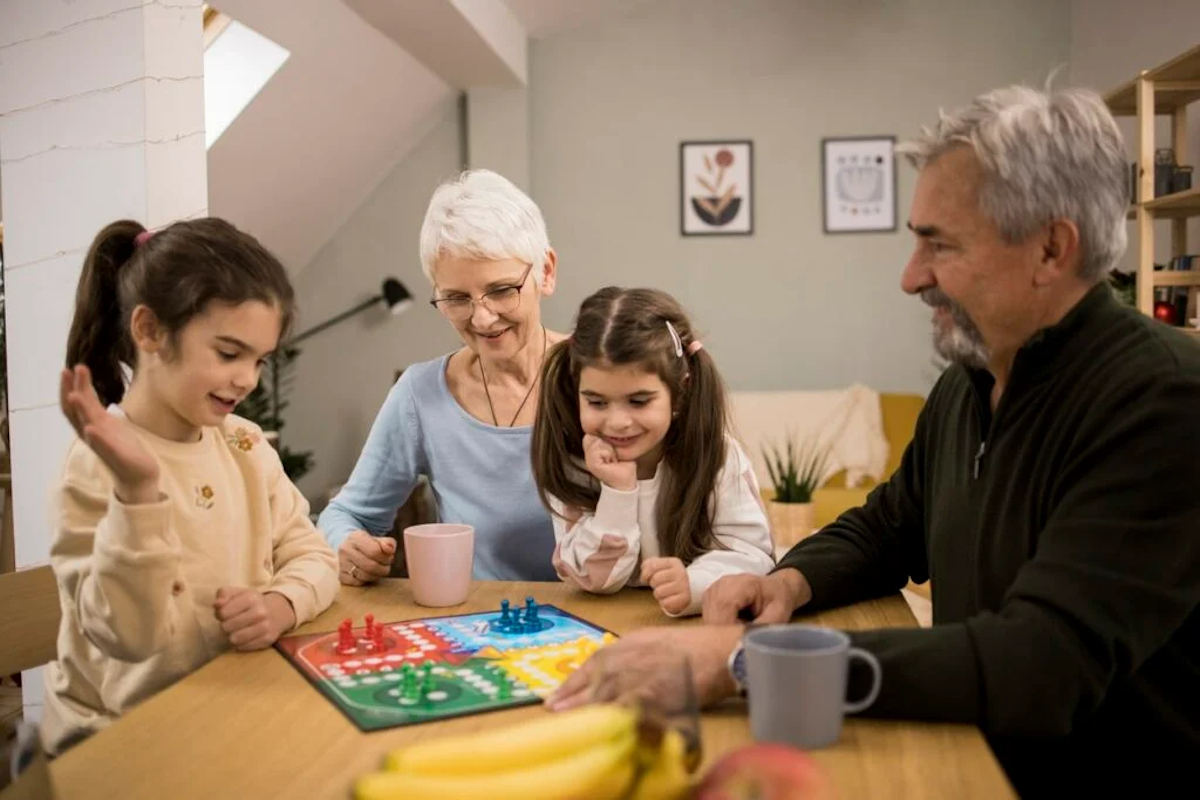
142,238
695,347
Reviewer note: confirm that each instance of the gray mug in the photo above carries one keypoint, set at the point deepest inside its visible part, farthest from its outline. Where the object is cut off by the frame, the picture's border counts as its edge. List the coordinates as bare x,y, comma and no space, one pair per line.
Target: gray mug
796,676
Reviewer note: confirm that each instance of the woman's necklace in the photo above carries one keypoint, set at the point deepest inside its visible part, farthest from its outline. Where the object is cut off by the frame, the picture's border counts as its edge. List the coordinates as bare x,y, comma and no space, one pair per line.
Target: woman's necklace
492,408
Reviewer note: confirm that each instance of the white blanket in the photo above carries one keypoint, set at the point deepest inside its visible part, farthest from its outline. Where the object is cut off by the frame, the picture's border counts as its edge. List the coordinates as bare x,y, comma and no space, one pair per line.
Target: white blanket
848,423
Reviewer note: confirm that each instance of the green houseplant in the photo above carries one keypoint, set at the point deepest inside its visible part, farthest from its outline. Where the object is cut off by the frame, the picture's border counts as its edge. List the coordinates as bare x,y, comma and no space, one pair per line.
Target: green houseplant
264,407
795,474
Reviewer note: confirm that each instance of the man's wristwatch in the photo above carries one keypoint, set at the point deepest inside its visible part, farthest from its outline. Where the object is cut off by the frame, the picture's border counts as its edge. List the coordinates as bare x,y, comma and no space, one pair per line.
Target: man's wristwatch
737,668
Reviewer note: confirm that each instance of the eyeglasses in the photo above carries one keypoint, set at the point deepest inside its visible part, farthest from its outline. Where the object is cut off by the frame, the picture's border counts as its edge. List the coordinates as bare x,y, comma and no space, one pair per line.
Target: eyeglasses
501,300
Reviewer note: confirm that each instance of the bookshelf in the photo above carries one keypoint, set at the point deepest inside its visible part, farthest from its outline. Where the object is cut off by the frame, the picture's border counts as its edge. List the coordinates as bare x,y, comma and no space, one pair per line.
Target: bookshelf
1166,90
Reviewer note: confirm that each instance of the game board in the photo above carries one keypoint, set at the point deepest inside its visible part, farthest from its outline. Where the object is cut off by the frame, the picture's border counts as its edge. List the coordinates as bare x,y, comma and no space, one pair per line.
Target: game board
404,673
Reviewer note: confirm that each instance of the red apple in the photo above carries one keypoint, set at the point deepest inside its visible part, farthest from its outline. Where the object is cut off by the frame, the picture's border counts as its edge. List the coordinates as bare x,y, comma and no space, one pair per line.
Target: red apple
765,772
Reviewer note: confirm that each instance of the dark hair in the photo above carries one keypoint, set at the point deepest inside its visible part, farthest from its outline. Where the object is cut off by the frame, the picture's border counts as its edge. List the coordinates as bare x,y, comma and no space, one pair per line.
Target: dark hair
175,272
619,327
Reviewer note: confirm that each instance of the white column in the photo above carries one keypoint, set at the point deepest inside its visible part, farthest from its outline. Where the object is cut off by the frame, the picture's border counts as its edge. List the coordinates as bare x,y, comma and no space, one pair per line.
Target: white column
101,118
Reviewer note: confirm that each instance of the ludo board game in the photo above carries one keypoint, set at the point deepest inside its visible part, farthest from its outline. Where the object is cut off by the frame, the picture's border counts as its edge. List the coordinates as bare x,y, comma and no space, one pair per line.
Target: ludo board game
383,675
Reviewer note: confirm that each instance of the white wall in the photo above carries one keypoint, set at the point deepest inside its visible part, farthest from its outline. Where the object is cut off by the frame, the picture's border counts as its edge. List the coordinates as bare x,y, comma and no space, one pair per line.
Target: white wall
1111,41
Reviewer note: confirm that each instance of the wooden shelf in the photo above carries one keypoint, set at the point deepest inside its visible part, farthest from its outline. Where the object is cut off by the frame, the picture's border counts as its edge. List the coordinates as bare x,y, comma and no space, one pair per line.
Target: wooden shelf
1176,84
1180,205
1178,277
1165,89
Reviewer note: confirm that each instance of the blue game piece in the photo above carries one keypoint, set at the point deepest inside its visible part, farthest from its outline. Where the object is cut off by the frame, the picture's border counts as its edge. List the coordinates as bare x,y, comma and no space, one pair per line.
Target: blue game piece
505,617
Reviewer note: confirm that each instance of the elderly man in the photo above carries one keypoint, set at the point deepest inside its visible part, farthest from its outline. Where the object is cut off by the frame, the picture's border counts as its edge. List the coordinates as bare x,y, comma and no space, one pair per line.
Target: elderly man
1052,488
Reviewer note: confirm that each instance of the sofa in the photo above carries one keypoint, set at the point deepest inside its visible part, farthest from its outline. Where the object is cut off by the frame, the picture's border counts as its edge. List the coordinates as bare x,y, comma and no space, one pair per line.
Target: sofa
895,421
899,413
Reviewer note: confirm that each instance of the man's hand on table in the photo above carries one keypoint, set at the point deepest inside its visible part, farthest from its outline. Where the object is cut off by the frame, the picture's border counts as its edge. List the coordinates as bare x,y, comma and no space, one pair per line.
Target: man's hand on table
766,599
648,662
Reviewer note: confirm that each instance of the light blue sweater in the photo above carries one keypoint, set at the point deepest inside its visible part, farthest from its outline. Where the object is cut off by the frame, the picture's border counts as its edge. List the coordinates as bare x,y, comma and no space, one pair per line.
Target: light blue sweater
480,475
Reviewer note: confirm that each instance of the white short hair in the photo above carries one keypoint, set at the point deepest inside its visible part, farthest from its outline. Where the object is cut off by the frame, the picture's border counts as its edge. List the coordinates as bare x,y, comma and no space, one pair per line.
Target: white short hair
1045,155
482,215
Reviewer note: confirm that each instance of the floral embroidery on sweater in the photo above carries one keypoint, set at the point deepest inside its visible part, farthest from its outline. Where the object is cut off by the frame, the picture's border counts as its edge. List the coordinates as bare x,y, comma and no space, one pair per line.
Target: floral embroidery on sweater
204,496
243,439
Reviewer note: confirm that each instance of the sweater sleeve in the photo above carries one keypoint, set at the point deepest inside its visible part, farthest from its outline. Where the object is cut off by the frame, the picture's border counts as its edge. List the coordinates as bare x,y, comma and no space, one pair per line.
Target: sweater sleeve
387,470
1116,572
740,525
117,565
598,552
873,550
305,565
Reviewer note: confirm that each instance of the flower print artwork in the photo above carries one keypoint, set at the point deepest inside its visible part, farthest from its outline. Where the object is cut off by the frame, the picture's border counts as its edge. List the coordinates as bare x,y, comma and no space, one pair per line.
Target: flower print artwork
716,187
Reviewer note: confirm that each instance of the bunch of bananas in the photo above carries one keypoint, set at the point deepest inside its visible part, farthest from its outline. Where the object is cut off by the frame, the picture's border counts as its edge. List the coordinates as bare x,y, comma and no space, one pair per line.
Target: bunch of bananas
598,752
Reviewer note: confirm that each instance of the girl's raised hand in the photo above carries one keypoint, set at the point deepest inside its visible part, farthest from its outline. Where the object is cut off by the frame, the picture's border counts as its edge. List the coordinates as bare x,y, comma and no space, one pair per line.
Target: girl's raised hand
601,461
134,468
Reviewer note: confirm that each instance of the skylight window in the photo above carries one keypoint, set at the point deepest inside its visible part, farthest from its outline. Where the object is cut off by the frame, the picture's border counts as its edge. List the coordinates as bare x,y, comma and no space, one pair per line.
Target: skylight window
238,62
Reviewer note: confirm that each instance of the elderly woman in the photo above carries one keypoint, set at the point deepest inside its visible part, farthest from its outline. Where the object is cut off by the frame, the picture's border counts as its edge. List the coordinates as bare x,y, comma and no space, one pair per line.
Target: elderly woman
464,420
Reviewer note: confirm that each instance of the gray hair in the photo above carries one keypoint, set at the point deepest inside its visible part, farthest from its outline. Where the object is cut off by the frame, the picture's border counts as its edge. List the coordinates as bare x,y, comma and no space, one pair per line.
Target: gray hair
1045,155
482,215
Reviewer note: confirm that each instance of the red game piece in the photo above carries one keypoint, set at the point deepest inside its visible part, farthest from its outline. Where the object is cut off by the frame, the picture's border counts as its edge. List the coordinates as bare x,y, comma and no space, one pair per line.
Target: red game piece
378,638
345,638
370,619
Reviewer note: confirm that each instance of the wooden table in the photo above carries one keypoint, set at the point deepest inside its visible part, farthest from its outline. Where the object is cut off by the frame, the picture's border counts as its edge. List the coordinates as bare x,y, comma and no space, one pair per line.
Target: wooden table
249,725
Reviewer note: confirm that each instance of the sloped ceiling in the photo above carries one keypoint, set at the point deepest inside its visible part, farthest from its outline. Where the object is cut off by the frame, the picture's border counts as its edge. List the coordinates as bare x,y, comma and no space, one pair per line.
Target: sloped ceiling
341,112
338,114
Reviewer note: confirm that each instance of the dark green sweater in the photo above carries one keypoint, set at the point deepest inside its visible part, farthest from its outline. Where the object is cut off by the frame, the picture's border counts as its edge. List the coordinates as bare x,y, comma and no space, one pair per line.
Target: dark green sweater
1062,536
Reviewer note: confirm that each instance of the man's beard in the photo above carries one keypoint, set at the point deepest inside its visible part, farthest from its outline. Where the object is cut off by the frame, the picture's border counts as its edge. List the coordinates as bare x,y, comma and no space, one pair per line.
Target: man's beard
960,342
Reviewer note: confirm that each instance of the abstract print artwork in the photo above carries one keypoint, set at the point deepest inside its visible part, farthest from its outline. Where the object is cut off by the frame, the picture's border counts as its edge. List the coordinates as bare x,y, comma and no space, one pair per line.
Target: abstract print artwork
859,182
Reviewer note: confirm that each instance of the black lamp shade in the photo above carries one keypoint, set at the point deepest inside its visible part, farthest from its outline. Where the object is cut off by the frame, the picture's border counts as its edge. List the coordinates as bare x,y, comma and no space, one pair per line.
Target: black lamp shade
396,296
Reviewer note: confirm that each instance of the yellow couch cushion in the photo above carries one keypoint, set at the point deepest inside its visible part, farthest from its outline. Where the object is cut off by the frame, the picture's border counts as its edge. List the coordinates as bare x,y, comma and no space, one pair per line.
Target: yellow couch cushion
900,412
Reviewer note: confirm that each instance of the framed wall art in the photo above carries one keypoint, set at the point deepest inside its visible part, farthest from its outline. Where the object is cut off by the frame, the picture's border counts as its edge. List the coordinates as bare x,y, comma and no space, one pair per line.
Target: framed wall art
859,184
716,187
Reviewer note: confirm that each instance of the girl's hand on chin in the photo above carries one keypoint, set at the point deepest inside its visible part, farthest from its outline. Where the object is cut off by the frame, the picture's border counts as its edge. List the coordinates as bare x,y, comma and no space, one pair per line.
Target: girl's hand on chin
602,462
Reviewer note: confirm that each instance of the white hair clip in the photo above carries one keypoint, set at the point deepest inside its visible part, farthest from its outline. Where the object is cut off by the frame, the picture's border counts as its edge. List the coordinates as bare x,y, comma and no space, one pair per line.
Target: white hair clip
675,338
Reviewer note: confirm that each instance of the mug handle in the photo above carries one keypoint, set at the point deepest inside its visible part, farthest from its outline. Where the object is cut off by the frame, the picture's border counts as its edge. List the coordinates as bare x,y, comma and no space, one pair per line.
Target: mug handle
876,684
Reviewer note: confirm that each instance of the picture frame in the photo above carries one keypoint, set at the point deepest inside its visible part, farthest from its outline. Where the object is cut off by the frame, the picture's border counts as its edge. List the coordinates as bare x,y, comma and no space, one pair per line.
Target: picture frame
716,188
858,184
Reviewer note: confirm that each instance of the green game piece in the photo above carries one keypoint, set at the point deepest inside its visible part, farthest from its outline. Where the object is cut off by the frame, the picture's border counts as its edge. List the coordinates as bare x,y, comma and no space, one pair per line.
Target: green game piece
409,688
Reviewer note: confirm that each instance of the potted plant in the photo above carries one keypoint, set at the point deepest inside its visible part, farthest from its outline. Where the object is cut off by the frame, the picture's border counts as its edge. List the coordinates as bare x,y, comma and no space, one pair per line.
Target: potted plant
795,474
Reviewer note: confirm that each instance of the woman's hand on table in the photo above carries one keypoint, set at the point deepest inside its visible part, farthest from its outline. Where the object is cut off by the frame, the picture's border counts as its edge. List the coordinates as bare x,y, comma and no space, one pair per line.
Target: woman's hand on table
635,665
363,558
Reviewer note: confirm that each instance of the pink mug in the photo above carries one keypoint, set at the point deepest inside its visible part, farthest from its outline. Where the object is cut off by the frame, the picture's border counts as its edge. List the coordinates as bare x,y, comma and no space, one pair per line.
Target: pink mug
439,558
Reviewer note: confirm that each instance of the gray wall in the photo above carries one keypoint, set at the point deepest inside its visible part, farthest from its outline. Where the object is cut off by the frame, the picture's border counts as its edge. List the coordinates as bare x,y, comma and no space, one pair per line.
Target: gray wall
344,373
788,307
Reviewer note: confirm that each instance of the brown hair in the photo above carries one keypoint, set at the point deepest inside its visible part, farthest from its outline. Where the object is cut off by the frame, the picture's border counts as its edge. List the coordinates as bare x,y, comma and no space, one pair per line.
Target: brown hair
175,272
620,327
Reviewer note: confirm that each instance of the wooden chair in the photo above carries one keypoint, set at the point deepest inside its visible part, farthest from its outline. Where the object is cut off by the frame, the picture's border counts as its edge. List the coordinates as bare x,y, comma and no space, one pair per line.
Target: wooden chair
7,545
29,619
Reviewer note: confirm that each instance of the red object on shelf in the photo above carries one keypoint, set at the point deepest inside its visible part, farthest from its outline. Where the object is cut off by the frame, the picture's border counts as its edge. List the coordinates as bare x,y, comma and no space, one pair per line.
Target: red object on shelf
1165,312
